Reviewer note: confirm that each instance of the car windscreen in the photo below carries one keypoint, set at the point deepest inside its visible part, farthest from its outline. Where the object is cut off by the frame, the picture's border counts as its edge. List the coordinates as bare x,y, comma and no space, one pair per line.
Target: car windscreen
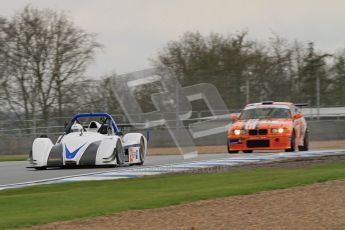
265,112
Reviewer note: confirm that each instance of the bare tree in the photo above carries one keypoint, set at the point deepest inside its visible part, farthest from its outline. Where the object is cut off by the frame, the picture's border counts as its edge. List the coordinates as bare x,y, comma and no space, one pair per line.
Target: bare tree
72,50
17,80
44,51
2,65
217,59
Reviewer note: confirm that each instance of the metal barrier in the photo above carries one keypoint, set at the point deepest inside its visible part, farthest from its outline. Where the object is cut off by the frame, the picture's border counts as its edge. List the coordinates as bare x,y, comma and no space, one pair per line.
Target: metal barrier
14,140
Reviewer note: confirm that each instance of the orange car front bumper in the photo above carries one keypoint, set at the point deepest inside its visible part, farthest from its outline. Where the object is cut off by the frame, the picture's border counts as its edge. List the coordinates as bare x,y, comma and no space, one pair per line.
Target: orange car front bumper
267,142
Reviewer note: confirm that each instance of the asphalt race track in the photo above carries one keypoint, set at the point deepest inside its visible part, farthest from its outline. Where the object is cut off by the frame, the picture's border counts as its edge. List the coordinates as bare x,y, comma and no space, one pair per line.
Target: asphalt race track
15,174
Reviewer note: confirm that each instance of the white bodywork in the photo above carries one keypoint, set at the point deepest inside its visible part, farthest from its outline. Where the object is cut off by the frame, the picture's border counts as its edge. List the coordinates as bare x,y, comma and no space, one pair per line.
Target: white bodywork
89,148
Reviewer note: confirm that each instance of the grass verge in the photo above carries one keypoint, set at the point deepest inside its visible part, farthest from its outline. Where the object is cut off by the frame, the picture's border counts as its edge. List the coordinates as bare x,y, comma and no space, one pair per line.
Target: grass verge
13,157
49,203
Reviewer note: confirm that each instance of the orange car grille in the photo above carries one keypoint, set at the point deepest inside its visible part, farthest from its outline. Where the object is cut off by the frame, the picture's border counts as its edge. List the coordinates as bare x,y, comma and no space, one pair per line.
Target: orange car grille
258,143
254,132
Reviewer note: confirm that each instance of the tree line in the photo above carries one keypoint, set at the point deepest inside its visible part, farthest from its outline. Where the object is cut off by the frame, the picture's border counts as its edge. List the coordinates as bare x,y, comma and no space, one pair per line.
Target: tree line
246,70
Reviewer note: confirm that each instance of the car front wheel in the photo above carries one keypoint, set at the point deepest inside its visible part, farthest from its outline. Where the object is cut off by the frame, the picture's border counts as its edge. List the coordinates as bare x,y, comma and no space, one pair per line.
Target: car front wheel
141,151
247,151
292,143
229,150
119,153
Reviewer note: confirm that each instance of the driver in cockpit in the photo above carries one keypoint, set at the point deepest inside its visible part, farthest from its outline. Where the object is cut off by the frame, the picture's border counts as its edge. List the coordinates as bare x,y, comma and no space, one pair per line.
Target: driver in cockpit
76,128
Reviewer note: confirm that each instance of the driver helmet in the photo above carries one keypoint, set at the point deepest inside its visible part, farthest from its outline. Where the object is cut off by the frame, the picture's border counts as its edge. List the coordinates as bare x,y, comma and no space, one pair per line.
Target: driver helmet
76,128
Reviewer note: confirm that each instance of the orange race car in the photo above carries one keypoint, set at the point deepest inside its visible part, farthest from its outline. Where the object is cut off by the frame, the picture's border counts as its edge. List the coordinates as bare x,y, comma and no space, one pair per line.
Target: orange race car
268,126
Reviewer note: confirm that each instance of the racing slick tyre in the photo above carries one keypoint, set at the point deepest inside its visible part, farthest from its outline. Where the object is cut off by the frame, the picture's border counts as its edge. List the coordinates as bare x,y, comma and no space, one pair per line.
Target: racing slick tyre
41,168
30,157
305,146
247,151
141,151
292,143
119,153
231,151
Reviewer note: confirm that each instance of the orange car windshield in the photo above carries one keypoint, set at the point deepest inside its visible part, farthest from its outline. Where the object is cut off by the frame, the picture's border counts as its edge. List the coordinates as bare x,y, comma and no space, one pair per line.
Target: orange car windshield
264,113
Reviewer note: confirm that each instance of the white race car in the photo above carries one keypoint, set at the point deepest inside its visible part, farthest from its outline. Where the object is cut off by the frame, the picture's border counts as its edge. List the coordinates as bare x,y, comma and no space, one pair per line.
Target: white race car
96,144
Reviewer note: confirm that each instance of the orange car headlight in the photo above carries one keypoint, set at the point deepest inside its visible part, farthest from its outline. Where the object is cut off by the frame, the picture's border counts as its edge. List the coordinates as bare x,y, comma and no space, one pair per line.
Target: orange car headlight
278,130
238,131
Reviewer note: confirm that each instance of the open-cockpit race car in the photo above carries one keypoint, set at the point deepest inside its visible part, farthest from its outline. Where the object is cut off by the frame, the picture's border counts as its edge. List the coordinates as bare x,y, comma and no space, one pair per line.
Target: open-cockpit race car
89,143
268,126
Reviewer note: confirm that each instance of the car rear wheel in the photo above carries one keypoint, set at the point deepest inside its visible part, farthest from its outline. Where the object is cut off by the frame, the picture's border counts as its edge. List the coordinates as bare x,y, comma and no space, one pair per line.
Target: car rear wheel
305,146
292,143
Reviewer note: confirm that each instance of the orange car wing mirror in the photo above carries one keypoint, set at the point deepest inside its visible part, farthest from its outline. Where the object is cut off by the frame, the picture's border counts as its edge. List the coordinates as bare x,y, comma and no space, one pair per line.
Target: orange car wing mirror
298,116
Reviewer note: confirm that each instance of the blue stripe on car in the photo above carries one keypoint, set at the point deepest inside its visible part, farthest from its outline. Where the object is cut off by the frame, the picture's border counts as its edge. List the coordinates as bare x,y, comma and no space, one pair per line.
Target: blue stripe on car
71,155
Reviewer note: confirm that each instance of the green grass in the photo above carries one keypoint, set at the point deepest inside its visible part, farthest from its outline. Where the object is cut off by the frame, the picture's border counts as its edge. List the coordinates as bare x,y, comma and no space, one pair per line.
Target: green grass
18,157
48,203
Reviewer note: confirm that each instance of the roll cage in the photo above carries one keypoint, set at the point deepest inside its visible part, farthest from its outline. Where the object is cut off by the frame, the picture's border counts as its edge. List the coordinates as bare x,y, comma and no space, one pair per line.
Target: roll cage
107,117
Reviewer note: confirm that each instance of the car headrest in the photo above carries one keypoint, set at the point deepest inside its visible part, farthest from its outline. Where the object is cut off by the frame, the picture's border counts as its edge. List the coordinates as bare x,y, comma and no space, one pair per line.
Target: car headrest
93,125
